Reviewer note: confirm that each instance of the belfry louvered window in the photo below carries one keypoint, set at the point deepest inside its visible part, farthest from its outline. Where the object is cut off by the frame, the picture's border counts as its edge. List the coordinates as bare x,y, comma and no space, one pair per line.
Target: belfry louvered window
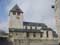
18,13
14,13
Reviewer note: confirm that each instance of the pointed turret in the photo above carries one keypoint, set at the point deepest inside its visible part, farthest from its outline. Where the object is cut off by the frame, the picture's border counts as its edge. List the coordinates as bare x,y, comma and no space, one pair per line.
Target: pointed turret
16,8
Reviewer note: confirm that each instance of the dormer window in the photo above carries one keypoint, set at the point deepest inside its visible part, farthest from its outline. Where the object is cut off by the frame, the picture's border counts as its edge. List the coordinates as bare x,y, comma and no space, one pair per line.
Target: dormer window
38,28
33,27
14,13
28,27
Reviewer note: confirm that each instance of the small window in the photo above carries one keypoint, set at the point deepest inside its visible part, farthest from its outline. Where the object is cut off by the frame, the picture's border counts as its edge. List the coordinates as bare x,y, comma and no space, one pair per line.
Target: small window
27,34
47,33
41,35
14,13
34,34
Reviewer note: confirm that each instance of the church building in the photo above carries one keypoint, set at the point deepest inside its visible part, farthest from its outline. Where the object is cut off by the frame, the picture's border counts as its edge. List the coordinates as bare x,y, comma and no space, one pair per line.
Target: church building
57,16
29,33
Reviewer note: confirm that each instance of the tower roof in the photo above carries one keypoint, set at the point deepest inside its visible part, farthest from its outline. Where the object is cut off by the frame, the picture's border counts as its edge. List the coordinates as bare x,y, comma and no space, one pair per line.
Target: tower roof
16,8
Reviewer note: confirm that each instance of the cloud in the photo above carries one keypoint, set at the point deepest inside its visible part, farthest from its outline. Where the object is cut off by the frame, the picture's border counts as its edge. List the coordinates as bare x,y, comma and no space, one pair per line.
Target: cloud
4,26
10,5
36,11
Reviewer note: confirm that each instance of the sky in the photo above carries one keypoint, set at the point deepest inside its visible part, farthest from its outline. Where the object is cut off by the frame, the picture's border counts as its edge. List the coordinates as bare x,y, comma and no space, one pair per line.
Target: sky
39,11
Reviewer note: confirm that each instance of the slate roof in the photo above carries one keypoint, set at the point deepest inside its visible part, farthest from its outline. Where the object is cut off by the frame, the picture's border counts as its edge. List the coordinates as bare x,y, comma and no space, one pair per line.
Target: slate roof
24,30
34,24
16,8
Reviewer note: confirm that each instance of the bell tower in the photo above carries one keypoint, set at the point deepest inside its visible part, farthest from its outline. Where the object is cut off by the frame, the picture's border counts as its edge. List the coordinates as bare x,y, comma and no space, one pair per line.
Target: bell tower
16,18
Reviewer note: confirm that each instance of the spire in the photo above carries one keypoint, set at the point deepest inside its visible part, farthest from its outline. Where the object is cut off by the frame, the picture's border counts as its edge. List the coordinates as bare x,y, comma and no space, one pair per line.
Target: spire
16,8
